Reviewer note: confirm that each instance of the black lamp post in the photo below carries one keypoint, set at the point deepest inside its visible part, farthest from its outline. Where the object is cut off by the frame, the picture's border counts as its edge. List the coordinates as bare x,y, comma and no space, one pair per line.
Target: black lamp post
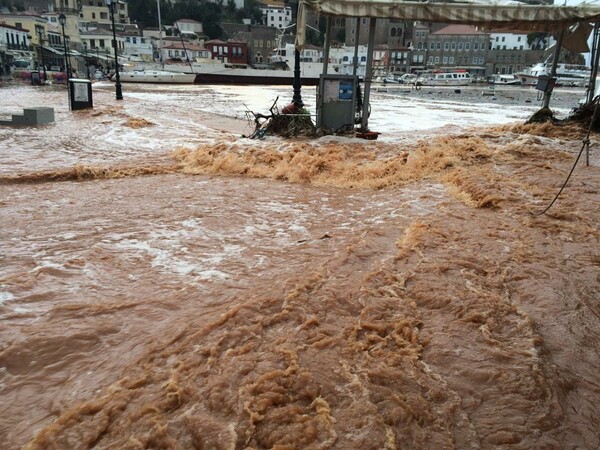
40,30
62,19
297,83
69,65
87,66
112,4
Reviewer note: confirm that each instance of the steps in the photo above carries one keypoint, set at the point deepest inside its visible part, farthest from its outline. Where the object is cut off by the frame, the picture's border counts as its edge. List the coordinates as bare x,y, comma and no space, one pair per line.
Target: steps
31,117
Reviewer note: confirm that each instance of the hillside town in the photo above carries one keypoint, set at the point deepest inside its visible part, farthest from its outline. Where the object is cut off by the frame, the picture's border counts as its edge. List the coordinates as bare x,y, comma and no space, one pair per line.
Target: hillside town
37,35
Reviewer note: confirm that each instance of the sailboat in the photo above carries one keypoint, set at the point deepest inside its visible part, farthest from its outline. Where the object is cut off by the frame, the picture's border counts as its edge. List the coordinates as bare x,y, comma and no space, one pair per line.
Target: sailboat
143,75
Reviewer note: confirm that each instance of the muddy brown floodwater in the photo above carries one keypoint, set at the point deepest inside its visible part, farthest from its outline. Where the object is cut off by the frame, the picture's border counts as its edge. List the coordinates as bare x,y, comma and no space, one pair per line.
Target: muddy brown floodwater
327,294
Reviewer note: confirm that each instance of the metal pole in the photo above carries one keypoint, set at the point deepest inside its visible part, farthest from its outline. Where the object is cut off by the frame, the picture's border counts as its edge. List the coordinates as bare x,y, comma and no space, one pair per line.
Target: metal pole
548,93
160,39
69,65
595,60
39,30
66,57
355,59
119,93
368,70
327,45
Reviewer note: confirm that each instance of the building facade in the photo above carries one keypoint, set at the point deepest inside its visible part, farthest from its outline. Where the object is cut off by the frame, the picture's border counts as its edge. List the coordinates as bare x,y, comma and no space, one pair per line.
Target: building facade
276,16
233,52
458,47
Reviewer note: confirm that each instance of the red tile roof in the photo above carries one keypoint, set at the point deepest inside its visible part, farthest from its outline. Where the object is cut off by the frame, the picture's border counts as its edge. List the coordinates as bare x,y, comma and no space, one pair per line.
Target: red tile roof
457,29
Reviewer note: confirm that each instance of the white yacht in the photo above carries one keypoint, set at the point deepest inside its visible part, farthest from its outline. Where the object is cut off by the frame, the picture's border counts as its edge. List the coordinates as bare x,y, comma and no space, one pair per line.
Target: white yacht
566,74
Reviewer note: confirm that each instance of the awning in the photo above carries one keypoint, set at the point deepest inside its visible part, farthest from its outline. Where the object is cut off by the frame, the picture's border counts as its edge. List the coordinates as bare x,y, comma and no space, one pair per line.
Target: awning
521,17
54,50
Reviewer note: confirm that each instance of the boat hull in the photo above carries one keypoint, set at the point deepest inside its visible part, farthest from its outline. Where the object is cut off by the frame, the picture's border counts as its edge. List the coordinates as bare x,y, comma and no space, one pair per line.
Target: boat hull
157,77
225,78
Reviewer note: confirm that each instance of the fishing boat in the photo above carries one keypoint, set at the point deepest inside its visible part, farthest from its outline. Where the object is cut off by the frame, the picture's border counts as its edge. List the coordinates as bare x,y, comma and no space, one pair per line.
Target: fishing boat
505,79
455,78
566,74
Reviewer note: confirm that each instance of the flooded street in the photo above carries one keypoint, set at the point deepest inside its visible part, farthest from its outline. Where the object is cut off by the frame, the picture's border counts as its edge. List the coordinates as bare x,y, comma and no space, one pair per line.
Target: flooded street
165,283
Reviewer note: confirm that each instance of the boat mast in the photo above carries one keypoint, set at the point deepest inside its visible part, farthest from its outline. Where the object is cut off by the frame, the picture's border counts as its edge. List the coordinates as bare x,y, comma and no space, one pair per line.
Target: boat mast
160,41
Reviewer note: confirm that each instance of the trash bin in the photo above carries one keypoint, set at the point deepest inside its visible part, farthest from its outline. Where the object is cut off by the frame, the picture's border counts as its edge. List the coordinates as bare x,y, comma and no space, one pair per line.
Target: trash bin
81,93
545,83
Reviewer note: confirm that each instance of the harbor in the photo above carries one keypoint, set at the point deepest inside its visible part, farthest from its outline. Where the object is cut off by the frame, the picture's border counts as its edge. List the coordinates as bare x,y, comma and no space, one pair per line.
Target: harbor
167,282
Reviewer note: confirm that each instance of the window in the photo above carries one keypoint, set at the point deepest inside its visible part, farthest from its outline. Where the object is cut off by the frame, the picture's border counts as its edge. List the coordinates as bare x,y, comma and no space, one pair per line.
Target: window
460,46
476,46
467,46
104,15
503,38
432,46
445,60
519,39
451,59
438,46
481,60
93,15
475,59
446,46
393,32
453,46
497,38
345,59
420,46
430,60
436,59
363,58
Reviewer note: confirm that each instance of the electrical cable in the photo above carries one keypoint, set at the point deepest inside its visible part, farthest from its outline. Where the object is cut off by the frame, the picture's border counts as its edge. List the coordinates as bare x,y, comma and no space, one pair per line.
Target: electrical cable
586,143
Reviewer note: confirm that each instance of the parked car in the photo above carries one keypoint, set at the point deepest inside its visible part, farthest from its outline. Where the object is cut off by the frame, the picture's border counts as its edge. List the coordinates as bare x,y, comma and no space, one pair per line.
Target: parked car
99,75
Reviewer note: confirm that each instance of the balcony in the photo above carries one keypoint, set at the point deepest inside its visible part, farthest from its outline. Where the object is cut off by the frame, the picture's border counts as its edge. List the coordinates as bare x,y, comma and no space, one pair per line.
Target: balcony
19,47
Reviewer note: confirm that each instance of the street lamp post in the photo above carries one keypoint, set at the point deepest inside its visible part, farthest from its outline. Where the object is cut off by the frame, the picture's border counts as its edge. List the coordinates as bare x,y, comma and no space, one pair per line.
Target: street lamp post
112,4
62,19
87,66
69,65
40,29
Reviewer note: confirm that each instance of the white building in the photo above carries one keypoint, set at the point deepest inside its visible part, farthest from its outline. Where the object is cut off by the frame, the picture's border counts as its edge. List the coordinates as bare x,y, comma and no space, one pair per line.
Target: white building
14,45
189,28
99,42
97,11
138,48
276,16
175,50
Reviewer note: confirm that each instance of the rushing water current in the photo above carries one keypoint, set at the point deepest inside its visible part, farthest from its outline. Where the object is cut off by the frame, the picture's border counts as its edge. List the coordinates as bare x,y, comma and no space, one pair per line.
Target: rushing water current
167,283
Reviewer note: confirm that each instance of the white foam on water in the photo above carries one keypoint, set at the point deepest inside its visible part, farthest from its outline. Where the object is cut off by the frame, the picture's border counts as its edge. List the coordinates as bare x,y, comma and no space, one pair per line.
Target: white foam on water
6,296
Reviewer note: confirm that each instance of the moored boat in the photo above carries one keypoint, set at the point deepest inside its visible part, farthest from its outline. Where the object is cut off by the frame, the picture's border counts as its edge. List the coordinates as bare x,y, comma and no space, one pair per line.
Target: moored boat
505,79
455,78
156,76
566,74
